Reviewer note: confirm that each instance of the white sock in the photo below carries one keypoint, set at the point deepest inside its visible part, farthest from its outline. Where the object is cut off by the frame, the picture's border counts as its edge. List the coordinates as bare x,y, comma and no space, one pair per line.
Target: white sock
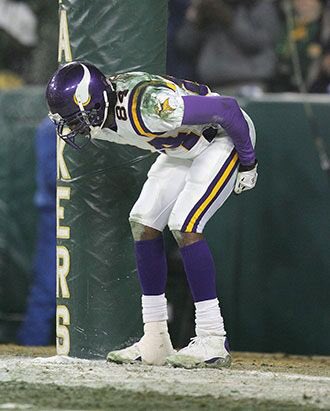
208,318
154,308
158,327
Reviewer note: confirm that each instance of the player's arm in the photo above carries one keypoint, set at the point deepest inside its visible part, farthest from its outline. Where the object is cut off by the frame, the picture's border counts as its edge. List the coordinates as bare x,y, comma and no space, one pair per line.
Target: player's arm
226,112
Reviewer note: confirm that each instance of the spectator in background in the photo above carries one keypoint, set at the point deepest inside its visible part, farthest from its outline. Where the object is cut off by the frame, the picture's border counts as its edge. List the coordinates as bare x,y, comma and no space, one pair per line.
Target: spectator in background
322,81
177,63
304,48
234,41
44,56
18,37
38,327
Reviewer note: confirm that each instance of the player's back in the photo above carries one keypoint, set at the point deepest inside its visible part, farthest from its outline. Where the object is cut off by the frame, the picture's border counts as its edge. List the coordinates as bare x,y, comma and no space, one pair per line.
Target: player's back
149,114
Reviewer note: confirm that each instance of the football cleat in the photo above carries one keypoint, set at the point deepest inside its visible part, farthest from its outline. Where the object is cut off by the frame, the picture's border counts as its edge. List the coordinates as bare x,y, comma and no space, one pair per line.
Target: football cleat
128,355
153,348
208,351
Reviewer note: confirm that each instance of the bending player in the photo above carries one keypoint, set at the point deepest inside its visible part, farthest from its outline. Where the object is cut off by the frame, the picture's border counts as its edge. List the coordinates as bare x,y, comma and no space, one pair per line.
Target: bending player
206,145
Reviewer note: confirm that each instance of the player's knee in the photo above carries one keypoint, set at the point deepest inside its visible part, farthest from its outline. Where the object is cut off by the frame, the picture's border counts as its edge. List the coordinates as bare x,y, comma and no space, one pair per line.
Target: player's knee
143,232
183,239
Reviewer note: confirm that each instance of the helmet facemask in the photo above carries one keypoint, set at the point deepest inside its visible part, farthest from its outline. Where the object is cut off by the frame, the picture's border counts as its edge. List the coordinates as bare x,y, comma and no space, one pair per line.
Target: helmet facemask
78,126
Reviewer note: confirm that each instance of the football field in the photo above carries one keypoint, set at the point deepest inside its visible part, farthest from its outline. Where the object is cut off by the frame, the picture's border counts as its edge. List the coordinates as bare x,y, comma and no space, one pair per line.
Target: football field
37,379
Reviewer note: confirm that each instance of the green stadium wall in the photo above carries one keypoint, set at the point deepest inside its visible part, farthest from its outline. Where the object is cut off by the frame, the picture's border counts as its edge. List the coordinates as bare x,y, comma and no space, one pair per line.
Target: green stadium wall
21,111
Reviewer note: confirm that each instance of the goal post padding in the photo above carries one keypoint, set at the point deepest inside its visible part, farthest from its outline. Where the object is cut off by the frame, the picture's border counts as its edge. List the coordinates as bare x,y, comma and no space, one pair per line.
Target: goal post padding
98,295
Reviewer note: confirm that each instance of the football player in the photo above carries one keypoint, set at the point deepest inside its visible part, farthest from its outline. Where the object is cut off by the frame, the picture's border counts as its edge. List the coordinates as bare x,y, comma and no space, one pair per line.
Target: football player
206,151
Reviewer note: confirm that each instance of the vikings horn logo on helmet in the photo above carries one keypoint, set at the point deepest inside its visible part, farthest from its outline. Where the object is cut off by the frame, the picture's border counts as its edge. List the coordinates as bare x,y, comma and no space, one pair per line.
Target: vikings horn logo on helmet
82,95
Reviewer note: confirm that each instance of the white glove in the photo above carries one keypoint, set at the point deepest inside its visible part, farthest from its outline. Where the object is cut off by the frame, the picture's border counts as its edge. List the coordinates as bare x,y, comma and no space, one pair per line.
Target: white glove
246,178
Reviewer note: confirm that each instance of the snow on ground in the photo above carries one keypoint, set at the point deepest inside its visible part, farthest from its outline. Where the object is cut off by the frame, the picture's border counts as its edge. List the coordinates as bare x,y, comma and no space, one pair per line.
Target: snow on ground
237,384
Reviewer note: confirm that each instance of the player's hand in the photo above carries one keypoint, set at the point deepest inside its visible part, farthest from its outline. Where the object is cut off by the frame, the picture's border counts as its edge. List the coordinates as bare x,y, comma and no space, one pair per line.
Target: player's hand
246,178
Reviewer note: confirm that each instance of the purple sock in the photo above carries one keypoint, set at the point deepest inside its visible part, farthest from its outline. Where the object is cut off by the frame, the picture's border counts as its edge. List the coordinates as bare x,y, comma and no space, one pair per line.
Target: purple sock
200,270
151,266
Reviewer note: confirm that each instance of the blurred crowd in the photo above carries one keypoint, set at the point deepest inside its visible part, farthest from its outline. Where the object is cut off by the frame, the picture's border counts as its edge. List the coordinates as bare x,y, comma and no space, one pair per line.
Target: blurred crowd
248,47
240,47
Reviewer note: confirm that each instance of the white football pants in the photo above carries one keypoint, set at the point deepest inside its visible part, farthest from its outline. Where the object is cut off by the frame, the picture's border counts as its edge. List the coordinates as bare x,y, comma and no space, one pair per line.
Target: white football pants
185,193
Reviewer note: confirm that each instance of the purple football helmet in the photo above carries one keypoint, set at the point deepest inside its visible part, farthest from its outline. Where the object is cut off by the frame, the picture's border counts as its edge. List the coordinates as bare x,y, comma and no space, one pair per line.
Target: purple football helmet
79,97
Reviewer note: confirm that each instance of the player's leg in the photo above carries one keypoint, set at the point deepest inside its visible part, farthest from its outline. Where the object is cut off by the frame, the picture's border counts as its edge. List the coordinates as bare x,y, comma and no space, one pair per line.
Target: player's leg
210,181
148,218
210,347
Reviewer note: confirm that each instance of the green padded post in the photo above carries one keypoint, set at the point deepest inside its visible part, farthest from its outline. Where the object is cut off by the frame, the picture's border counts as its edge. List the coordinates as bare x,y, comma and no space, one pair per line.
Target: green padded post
98,296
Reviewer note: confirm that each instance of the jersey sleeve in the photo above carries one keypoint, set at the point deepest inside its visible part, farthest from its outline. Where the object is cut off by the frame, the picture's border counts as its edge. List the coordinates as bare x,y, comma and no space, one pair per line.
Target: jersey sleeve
157,107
